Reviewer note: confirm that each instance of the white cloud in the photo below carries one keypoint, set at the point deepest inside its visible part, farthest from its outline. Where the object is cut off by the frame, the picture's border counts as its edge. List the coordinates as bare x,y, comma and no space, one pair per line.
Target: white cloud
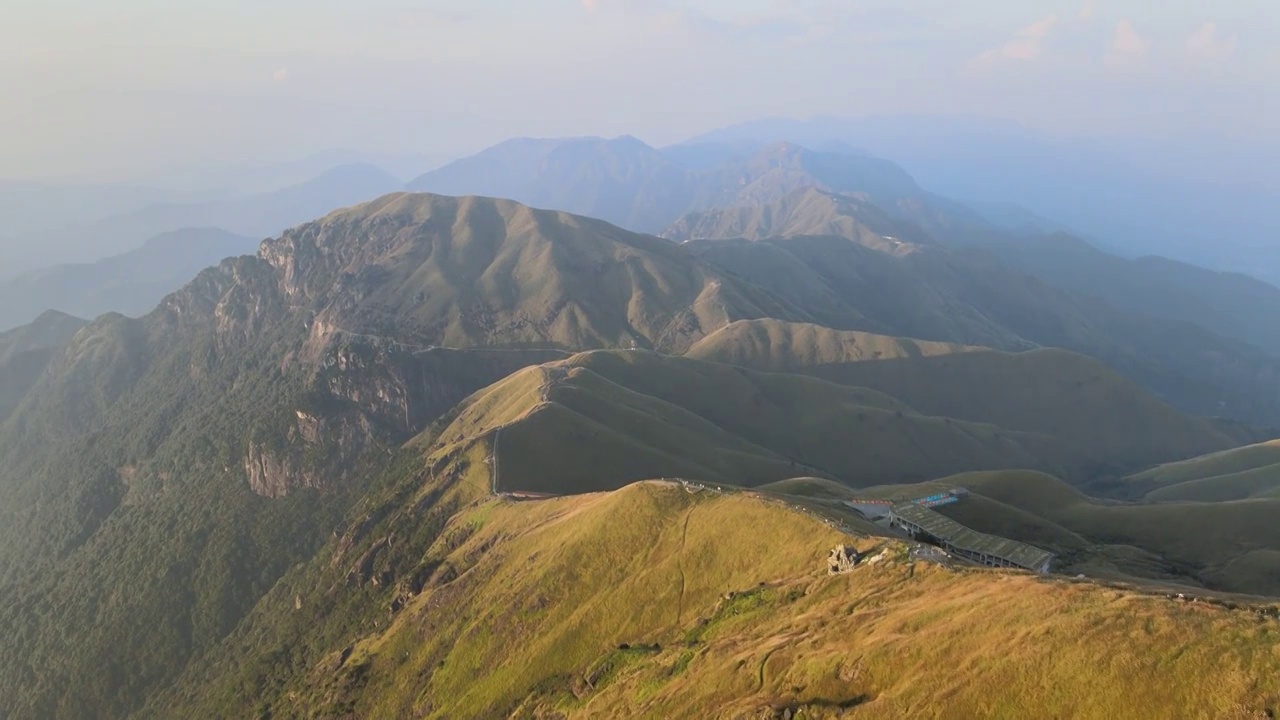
1207,44
280,75
1127,41
1026,44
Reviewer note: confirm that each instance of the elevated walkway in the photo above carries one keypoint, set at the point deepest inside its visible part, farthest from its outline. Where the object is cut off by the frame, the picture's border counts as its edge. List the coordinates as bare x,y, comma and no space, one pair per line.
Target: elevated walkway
922,523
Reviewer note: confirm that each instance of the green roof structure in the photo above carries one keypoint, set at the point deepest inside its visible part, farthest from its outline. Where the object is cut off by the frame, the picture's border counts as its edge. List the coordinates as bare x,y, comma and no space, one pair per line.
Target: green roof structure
918,520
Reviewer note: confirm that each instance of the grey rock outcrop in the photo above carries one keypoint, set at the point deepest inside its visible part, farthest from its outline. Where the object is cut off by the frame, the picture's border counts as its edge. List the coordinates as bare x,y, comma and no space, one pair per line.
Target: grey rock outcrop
842,560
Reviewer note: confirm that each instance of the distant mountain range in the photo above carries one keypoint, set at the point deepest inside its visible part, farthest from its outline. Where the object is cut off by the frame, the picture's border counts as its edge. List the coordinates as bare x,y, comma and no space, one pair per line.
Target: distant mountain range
131,283
514,454
1133,199
1228,304
255,216
75,230
306,452
742,188
132,260
628,183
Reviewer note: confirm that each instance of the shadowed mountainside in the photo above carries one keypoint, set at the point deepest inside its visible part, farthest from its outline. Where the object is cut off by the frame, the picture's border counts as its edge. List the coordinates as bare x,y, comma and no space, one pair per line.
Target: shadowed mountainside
26,351
1073,398
1231,304
599,420
1227,304
938,295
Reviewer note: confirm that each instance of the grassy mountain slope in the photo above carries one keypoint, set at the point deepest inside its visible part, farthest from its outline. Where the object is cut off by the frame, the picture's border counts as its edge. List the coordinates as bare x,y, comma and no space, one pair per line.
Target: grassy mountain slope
807,211
850,287
1229,305
131,283
1236,474
938,295
210,446
464,272
779,346
1259,482
652,601
1227,546
170,484
1252,457
1073,398
602,419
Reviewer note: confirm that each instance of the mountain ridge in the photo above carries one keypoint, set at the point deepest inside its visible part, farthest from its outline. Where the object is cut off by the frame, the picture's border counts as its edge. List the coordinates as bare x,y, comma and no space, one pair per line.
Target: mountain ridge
131,283
316,429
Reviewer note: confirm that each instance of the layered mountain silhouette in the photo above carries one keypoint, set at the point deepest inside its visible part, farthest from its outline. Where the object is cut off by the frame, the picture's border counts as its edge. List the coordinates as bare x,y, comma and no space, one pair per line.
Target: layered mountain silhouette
131,283
633,185
1045,391
973,299
256,215
1231,304
298,446
621,180
1128,196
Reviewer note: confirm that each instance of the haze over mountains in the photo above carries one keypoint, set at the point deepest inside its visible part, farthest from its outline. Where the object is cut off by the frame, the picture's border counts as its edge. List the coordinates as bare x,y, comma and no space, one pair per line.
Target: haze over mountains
131,283
643,188
755,360
288,484
1136,198
626,182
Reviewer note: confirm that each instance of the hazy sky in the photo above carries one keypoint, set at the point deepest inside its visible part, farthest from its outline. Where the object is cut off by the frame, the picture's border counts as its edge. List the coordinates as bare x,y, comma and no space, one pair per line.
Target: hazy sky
113,88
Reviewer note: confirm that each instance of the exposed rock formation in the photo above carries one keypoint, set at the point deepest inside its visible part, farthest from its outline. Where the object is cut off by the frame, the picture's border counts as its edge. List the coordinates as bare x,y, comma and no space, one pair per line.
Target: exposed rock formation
842,560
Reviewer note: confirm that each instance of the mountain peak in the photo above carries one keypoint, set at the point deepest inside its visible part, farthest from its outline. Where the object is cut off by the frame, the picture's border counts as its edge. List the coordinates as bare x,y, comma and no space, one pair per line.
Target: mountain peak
56,318
808,210
479,271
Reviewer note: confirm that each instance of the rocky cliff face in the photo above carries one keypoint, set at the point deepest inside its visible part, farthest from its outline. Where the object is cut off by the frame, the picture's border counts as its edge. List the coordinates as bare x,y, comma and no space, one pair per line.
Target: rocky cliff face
371,395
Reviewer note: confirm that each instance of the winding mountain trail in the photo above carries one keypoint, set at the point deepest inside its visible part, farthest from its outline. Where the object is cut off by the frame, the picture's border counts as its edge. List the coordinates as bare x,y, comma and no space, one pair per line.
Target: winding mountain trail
684,536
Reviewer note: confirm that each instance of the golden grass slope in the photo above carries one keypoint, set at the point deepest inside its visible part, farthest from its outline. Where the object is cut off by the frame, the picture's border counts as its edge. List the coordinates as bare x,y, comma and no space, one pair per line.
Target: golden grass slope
1226,462
601,419
1073,398
1255,483
654,602
779,346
